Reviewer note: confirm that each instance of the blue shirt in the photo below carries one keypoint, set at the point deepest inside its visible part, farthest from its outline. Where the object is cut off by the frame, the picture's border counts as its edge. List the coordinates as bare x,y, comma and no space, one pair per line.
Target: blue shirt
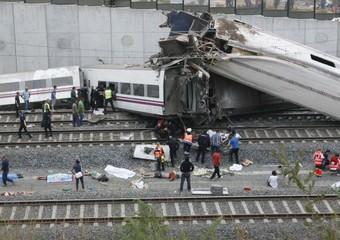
234,142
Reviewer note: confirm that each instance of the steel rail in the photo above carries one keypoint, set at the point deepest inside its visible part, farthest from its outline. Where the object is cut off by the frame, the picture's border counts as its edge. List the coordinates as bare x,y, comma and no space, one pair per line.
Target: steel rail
169,199
172,218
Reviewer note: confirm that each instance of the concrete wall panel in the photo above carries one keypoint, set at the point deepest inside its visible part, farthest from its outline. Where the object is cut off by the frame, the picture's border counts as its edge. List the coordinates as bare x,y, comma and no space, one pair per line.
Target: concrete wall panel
265,23
63,36
7,39
320,35
31,36
95,35
293,29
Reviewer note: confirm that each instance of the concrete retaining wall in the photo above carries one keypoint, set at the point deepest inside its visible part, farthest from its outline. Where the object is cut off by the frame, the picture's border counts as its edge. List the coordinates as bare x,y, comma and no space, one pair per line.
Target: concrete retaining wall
34,36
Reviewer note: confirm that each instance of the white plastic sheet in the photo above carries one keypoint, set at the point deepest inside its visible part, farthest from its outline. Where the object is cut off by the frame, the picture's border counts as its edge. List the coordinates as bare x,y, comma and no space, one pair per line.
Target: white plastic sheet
236,167
59,177
336,185
119,172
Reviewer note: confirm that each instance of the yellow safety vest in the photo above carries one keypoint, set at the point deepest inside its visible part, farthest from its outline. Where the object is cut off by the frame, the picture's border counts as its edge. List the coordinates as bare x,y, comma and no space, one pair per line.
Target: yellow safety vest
108,93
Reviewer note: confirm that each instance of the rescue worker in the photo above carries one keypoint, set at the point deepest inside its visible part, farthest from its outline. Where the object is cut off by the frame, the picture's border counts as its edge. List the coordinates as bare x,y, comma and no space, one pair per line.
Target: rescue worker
216,141
81,111
73,95
75,114
5,171
108,98
173,146
54,97
17,104
26,96
159,156
235,147
216,161
46,122
203,143
187,140
186,168
23,125
325,160
318,158
334,164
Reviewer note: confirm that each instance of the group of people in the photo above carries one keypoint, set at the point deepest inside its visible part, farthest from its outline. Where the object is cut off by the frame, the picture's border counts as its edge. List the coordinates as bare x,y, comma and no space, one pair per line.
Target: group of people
326,161
205,140
102,97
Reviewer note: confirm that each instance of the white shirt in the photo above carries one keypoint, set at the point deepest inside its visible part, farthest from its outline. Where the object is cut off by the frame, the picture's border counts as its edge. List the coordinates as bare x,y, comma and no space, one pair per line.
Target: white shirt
272,180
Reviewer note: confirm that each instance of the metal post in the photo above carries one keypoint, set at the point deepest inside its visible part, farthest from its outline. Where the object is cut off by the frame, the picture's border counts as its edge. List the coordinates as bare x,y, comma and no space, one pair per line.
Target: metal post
209,5
288,8
314,9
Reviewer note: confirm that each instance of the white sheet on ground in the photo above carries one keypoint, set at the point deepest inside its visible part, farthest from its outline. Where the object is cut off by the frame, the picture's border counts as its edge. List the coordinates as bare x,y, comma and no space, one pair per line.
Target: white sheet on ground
145,151
236,167
119,172
336,185
59,177
100,111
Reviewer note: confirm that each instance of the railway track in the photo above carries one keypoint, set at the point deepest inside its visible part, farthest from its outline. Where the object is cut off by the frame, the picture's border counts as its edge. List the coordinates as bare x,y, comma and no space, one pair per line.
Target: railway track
175,210
128,135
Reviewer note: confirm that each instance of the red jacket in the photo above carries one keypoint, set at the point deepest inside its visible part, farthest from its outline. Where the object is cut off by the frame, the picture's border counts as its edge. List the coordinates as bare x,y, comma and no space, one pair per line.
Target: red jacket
216,159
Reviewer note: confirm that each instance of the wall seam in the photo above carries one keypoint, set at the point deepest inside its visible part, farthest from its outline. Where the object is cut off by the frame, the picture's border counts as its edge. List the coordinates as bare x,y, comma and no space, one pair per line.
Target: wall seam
47,45
14,39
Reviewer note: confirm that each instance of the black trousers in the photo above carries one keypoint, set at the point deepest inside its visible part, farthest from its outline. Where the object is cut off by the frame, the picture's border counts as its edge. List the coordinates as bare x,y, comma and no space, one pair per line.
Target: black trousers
185,176
82,182
5,178
216,171
201,150
107,101
160,165
234,151
173,156
22,126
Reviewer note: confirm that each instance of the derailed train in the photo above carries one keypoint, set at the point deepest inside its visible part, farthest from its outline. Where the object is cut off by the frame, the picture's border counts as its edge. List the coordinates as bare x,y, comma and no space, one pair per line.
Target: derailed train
206,66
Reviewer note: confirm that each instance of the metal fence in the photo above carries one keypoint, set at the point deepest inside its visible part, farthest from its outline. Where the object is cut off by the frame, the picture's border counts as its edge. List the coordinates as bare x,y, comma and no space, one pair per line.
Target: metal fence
319,9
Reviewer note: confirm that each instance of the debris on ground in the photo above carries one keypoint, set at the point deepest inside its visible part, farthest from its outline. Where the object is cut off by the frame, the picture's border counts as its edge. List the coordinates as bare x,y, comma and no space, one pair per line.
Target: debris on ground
59,177
215,190
42,178
98,112
145,151
119,172
247,189
138,184
207,172
6,194
236,167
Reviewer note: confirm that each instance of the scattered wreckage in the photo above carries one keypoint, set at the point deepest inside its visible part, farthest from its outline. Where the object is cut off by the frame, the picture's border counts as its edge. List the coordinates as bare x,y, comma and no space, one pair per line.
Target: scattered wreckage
218,66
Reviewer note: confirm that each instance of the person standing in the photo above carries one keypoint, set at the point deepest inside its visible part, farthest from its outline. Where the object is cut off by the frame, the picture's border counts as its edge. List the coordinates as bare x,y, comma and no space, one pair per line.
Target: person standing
47,118
159,156
17,104
54,97
73,95
78,174
92,98
81,111
186,168
272,180
23,125
108,98
235,146
75,114
26,96
216,141
216,161
173,146
187,140
5,171
203,143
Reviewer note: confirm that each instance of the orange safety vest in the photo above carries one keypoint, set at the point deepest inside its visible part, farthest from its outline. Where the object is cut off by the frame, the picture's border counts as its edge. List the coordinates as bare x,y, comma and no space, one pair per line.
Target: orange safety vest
187,138
158,152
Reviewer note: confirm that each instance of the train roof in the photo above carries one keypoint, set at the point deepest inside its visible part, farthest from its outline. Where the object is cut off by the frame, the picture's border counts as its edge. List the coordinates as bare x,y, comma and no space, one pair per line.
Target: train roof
119,66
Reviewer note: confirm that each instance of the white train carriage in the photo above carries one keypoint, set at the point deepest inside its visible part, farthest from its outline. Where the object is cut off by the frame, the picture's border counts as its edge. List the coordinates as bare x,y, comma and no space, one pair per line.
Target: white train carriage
40,84
139,89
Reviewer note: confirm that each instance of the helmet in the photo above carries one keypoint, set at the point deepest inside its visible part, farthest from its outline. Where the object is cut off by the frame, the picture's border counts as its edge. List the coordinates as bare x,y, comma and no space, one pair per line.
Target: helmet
189,130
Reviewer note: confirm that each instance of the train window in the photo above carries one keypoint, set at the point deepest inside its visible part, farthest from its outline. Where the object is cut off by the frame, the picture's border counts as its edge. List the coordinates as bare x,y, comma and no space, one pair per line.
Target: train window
138,89
35,84
62,81
322,60
125,88
9,87
153,91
